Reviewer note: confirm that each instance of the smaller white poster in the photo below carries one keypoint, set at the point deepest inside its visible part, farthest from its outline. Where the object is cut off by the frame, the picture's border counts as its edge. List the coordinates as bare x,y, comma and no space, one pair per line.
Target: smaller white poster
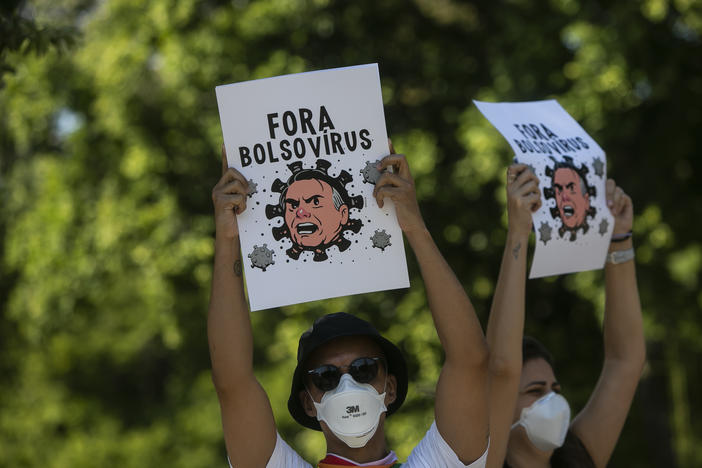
308,143
573,227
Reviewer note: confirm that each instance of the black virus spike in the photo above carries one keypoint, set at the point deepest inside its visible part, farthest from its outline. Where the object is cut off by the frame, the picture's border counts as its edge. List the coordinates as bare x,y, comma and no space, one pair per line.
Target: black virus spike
323,165
343,244
354,225
278,186
320,256
356,202
344,178
295,167
274,210
293,252
280,231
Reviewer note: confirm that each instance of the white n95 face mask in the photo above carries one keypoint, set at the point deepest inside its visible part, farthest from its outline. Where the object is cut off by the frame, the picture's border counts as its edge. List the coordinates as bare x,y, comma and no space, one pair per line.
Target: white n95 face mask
546,421
352,411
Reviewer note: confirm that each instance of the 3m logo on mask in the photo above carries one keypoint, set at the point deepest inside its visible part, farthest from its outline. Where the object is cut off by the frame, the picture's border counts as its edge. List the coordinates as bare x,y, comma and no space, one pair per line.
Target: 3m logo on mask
352,411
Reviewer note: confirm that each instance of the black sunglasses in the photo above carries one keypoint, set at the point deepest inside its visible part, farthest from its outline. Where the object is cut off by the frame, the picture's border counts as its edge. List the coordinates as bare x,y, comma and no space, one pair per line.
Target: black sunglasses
362,370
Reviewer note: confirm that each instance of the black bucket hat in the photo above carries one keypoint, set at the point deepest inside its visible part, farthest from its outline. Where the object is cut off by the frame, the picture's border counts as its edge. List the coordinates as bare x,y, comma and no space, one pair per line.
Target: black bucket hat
334,326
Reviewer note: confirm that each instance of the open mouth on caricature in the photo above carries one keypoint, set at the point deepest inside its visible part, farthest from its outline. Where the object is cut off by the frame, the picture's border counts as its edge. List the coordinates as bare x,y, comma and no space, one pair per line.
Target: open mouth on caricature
305,229
568,211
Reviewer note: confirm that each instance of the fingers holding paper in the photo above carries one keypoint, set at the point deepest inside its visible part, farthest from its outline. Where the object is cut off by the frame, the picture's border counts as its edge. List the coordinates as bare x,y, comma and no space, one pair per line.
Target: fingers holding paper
398,186
229,199
621,207
523,197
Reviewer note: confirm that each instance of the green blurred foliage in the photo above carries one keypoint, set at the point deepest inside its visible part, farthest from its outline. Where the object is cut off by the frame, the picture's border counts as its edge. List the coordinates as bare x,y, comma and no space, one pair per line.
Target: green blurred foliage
20,32
108,154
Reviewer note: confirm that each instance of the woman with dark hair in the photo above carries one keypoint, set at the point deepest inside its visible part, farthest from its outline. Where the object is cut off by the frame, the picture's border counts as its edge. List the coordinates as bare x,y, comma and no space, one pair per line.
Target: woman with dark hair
530,423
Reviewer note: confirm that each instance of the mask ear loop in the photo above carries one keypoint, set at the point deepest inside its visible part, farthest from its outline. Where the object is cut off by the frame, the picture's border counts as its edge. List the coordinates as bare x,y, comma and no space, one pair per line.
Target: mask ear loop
309,394
385,368
385,384
314,403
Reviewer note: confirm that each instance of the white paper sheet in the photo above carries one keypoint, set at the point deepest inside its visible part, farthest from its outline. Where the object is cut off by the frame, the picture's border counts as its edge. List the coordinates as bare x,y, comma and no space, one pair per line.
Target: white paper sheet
574,226
300,240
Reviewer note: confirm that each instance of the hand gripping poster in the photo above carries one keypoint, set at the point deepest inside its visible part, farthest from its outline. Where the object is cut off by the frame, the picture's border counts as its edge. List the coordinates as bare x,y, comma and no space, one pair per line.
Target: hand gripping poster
308,143
573,227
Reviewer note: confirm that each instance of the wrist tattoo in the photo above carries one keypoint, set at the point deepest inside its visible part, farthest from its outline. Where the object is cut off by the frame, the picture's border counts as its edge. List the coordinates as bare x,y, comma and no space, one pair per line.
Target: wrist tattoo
515,251
237,267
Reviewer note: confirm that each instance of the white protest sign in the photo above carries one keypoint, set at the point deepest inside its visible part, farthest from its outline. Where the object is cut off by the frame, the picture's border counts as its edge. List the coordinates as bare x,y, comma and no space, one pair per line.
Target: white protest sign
308,144
573,226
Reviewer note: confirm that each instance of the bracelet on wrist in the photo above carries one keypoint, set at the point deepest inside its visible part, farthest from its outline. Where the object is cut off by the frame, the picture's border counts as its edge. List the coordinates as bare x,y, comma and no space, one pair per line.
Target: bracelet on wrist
622,237
620,256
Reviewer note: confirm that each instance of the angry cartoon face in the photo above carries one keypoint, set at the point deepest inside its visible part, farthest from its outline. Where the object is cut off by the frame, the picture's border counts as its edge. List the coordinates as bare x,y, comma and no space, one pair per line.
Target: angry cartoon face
315,208
313,214
572,199
572,194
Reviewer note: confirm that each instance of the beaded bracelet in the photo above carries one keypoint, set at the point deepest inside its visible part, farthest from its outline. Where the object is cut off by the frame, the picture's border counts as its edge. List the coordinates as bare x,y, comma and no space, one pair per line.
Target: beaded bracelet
622,237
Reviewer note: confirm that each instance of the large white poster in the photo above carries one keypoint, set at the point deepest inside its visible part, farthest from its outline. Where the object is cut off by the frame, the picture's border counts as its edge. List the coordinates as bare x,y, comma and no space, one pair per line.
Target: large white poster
308,144
574,225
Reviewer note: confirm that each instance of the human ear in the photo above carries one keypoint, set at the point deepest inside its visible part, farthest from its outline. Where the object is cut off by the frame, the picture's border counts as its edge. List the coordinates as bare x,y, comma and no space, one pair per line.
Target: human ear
390,390
307,404
344,210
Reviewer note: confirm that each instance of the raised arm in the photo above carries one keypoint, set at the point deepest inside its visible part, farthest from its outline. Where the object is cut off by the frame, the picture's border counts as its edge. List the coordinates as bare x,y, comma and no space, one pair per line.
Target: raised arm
599,424
461,393
247,418
505,327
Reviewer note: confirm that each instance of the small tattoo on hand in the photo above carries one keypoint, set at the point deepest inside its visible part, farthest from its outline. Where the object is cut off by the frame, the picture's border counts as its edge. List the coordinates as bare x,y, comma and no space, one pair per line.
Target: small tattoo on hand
237,268
515,251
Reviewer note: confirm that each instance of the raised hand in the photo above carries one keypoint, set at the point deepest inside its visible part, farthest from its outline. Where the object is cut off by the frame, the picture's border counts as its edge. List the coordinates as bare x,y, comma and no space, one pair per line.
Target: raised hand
229,199
621,207
523,198
398,186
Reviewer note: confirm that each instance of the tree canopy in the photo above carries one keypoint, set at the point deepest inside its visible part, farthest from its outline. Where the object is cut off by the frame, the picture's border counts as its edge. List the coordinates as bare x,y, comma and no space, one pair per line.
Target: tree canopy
109,148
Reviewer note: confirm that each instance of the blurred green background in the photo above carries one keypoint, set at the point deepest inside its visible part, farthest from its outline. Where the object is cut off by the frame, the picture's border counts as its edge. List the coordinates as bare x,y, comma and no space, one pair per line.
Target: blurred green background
109,148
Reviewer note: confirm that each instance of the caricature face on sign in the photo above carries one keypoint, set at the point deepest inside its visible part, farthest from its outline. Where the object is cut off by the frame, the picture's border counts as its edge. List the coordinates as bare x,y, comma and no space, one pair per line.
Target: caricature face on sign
315,209
572,193
571,197
314,212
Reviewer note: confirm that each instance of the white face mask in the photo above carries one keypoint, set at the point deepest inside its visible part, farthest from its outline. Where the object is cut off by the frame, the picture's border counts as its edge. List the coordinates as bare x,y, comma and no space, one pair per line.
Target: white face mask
352,411
546,421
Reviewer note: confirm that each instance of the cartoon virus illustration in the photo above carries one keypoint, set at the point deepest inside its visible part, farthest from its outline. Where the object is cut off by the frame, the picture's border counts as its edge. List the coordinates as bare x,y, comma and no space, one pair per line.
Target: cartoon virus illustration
315,208
261,257
381,239
598,165
370,173
604,225
572,193
253,188
545,232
